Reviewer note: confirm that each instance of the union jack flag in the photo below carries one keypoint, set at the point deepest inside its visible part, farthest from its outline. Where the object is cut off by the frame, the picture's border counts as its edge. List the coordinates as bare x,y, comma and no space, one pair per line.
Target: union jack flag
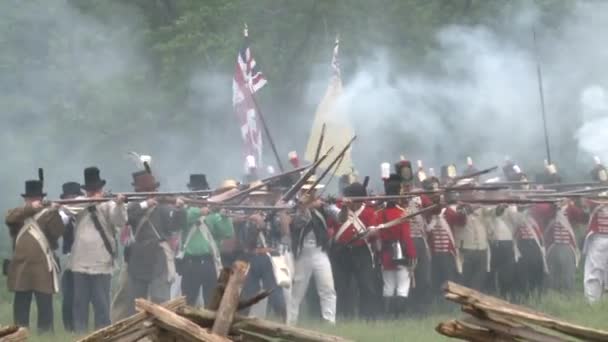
248,79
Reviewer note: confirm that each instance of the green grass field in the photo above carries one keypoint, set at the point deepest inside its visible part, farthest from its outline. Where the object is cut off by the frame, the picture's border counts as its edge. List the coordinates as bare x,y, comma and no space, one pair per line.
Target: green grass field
572,308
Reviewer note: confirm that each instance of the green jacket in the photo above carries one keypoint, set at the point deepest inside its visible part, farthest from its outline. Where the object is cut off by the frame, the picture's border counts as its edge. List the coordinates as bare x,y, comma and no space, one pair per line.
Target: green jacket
219,226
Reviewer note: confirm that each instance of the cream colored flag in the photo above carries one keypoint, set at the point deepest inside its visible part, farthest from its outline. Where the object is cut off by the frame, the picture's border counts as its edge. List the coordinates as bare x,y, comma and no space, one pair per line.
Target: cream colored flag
338,131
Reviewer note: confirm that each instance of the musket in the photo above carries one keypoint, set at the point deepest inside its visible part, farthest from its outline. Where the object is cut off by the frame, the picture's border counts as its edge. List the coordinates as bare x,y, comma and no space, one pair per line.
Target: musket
304,178
491,201
590,190
240,193
283,174
377,198
510,183
227,206
465,187
333,174
332,164
247,189
167,193
320,144
572,185
393,223
411,194
83,200
474,174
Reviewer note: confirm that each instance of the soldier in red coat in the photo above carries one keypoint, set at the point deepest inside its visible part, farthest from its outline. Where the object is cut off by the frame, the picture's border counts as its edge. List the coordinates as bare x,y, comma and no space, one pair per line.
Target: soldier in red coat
352,258
397,252
420,296
556,222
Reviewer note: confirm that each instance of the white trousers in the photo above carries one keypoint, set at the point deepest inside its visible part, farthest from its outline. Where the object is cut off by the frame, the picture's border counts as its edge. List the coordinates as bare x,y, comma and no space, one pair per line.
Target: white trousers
396,281
313,262
596,267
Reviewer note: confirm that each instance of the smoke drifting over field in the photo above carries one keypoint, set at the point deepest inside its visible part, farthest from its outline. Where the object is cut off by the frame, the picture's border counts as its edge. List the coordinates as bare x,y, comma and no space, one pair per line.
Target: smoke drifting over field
483,99
476,95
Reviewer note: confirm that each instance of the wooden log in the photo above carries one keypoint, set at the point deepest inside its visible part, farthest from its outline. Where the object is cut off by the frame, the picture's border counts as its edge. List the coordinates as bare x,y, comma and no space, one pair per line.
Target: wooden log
138,334
230,299
491,305
177,324
18,335
457,329
206,318
124,326
251,336
218,293
526,333
7,330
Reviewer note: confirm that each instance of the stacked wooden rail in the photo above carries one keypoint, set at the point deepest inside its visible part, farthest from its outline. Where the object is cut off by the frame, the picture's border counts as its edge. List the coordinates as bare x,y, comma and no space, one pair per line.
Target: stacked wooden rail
493,319
174,321
13,334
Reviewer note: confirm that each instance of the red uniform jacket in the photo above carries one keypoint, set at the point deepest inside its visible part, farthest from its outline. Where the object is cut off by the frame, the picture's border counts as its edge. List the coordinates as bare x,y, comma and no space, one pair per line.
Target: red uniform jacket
599,219
545,214
367,218
399,232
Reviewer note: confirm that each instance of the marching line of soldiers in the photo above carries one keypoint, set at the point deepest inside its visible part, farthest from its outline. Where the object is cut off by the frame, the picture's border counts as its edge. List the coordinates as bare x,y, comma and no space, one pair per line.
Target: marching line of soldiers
367,259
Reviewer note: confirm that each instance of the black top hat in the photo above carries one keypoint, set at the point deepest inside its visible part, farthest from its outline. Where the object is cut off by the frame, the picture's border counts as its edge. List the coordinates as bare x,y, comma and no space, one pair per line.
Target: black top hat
92,181
198,182
144,181
33,188
71,189
392,186
355,190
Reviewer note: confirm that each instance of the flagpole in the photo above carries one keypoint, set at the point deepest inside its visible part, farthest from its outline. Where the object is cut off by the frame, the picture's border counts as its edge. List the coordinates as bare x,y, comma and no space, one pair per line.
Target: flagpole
267,131
539,77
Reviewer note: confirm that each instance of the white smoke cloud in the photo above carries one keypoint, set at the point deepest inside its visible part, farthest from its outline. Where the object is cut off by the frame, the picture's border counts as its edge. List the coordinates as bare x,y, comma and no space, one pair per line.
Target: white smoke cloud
482,98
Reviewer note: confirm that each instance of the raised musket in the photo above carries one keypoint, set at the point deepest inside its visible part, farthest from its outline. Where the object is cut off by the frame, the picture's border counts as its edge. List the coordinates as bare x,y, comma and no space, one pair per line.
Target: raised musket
320,144
332,164
293,191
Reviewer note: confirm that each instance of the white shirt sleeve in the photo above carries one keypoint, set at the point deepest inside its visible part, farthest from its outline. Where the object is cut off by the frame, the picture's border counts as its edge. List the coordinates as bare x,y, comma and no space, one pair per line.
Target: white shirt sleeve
65,218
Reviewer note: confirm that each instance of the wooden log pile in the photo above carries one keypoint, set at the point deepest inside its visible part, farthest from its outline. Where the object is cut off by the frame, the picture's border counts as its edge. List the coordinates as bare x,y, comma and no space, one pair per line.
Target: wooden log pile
13,334
493,319
174,321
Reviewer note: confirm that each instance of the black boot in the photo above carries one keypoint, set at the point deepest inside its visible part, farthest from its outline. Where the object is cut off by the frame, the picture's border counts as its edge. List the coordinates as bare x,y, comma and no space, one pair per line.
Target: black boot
387,308
402,306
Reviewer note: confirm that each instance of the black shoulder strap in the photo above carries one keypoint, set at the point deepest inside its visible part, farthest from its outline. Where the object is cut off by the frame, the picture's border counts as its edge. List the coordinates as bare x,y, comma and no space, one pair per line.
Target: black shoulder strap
106,242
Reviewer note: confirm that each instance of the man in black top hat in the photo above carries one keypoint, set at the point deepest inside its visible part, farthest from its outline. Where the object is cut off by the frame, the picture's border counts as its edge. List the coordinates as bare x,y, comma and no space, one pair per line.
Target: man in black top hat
94,251
70,190
33,270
